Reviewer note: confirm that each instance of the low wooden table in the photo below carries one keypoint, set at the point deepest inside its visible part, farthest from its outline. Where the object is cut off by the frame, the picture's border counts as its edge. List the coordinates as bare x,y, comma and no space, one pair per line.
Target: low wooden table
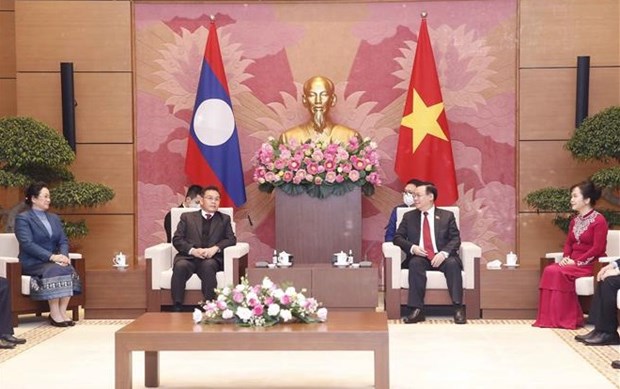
335,288
168,331
115,293
509,293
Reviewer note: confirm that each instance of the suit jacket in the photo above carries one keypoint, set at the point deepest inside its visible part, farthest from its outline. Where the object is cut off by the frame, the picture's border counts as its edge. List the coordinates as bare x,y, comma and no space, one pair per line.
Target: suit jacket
189,234
35,244
168,225
447,236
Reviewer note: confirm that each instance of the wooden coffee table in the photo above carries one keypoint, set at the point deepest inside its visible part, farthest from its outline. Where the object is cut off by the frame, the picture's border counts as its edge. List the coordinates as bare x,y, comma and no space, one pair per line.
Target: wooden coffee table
167,331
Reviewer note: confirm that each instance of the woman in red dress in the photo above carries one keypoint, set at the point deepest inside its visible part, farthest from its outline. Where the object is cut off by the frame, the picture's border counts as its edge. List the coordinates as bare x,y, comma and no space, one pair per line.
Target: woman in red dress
558,305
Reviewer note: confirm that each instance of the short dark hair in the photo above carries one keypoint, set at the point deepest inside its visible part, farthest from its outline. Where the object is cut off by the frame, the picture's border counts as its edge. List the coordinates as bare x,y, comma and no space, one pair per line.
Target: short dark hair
193,191
415,181
34,190
210,187
588,191
431,189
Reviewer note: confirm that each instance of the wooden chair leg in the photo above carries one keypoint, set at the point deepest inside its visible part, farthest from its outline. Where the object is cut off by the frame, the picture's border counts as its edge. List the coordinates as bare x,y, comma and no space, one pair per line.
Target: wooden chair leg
15,319
76,314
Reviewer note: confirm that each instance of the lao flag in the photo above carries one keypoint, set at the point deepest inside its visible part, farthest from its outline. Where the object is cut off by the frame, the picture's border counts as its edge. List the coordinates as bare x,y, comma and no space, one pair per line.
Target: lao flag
424,149
213,156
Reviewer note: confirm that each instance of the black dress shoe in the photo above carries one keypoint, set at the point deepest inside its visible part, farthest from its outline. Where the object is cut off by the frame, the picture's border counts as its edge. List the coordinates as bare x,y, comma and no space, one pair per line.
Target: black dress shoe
70,323
603,339
582,338
615,364
459,315
58,323
415,316
5,344
12,339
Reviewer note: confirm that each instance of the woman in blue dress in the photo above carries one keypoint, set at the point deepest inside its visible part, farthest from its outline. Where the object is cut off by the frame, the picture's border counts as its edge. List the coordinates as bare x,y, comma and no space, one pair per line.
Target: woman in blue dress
44,255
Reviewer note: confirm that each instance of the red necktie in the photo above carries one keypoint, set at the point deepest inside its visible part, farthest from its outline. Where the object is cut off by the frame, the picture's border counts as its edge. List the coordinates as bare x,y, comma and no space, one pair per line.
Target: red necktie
428,241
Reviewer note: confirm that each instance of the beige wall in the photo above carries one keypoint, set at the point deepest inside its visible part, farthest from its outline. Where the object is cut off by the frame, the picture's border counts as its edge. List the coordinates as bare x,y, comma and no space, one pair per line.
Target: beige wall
552,34
96,37
35,36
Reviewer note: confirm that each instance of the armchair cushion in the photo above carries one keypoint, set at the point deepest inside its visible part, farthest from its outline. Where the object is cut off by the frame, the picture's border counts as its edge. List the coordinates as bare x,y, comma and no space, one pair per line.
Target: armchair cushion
9,249
584,286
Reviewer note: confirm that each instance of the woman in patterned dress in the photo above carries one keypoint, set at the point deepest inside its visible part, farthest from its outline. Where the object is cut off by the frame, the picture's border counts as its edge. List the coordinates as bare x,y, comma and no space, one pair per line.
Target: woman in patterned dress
558,305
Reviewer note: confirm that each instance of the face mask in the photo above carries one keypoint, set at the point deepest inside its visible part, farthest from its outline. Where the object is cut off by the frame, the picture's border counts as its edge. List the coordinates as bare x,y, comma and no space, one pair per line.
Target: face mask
408,199
194,205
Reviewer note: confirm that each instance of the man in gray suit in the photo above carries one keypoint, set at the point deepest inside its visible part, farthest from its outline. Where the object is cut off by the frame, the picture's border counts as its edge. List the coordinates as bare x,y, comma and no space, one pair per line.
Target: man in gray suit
200,239
430,238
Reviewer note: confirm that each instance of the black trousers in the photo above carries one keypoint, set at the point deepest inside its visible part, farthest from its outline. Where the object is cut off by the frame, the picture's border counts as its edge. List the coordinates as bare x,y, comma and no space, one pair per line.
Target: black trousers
184,268
604,305
418,266
6,326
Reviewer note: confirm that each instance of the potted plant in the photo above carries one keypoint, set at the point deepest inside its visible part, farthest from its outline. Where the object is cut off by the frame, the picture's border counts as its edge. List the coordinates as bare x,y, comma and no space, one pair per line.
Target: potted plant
31,151
596,139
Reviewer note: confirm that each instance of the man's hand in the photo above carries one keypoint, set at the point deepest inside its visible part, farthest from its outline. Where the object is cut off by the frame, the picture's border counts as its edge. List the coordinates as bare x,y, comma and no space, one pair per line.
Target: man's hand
419,251
437,260
609,270
566,261
199,253
211,251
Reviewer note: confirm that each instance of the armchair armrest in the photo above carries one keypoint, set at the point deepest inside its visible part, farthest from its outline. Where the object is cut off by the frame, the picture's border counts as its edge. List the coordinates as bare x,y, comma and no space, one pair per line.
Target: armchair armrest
393,253
3,262
232,254
161,259
608,259
469,251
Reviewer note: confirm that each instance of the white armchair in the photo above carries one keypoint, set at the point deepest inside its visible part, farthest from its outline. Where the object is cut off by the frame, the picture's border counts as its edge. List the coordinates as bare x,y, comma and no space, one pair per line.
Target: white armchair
585,286
397,279
159,260
19,285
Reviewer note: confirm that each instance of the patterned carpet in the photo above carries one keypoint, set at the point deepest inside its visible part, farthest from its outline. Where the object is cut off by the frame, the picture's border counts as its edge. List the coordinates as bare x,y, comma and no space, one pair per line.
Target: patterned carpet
599,357
44,331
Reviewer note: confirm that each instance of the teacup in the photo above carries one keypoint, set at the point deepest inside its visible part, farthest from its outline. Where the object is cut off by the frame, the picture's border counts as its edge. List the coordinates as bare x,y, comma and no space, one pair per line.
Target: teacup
511,259
341,258
284,258
120,260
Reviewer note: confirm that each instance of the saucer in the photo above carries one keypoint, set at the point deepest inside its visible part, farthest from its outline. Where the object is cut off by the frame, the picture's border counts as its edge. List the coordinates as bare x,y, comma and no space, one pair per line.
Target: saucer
120,266
507,265
341,266
285,264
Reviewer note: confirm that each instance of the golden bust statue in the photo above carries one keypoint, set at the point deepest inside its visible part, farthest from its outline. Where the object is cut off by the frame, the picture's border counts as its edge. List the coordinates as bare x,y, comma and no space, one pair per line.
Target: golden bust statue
318,97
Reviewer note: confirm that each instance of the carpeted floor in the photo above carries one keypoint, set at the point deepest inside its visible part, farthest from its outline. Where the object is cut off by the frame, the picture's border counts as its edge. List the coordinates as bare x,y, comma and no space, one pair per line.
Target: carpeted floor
433,354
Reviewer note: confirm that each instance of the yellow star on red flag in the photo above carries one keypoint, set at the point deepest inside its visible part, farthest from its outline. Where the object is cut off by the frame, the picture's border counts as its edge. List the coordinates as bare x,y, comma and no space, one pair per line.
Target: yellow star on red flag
423,121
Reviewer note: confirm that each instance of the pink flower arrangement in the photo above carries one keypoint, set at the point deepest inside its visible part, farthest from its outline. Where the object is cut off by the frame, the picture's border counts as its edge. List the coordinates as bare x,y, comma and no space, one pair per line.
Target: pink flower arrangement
316,167
260,305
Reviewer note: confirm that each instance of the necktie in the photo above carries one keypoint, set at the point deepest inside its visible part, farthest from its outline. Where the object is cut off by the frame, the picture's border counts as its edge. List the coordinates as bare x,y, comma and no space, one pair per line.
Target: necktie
428,241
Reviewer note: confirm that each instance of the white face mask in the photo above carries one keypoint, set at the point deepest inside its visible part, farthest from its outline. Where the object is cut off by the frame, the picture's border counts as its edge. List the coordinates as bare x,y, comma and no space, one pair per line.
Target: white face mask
408,199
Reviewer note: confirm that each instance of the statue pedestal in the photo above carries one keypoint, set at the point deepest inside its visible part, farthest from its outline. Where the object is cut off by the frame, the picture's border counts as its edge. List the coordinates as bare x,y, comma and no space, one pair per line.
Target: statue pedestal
312,229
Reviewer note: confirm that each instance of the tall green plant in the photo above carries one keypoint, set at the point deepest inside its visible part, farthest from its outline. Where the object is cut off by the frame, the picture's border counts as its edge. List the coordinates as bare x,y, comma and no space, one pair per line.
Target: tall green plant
31,151
596,139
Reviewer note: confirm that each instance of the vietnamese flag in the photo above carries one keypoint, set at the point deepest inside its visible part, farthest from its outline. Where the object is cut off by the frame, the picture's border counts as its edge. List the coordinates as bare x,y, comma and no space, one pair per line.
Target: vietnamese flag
424,150
213,156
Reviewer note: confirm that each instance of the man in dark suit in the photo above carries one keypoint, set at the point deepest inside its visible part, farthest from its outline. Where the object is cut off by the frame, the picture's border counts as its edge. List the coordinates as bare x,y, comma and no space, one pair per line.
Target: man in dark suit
605,308
7,340
192,200
200,239
430,238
